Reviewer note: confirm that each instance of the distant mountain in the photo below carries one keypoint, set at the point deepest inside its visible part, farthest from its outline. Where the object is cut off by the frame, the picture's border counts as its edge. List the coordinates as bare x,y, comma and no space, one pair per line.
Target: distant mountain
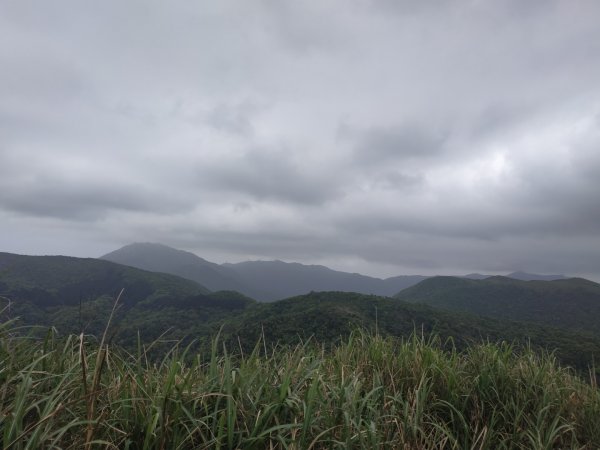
572,303
278,279
262,280
524,276
269,280
161,258
476,276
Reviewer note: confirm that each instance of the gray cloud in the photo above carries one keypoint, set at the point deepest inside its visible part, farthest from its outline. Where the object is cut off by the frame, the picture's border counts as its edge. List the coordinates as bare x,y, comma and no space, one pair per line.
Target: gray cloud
235,119
81,200
269,175
469,141
380,145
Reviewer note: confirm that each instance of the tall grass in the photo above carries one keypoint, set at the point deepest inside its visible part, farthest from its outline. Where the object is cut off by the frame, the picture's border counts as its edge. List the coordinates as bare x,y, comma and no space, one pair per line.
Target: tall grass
366,393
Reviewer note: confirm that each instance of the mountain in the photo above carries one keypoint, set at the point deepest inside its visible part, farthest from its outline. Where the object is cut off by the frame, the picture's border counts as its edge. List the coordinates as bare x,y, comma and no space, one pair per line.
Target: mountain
262,280
572,303
50,290
524,276
476,276
270,280
157,309
278,279
161,258
329,316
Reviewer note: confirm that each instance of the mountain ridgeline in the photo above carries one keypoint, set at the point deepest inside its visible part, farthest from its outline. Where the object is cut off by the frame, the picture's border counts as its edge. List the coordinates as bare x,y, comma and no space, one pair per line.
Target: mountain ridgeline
261,280
269,280
77,295
572,303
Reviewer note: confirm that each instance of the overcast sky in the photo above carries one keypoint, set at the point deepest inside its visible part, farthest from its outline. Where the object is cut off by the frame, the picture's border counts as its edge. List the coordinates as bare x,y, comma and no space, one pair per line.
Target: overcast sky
379,136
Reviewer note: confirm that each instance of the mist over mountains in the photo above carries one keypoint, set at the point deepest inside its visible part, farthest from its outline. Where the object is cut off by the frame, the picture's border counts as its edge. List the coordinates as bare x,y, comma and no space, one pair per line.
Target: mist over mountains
269,280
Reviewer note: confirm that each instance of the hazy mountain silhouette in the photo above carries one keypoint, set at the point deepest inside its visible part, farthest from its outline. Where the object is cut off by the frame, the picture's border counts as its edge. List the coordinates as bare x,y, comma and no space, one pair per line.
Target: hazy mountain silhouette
288,279
161,258
262,280
524,276
269,280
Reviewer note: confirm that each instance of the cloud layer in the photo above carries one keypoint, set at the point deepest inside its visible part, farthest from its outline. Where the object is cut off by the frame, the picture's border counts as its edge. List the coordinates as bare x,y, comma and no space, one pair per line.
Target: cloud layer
376,136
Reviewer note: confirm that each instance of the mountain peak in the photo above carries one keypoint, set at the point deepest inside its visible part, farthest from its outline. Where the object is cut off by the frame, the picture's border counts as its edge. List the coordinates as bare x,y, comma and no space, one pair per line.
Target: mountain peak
162,258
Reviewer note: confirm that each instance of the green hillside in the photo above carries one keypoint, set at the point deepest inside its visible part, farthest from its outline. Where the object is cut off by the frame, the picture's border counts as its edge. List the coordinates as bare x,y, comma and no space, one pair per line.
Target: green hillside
366,392
79,292
332,316
75,295
572,303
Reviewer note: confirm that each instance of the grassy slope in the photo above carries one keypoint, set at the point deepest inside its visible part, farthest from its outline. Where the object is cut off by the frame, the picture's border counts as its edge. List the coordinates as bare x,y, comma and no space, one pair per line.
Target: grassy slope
572,303
365,393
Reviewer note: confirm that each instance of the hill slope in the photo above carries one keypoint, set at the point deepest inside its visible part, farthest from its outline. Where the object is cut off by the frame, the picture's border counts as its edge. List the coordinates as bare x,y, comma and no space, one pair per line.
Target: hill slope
51,290
572,303
329,316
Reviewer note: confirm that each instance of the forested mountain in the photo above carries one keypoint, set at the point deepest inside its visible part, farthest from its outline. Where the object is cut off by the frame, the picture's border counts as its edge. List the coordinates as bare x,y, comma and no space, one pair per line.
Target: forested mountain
49,290
327,316
77,294
572,303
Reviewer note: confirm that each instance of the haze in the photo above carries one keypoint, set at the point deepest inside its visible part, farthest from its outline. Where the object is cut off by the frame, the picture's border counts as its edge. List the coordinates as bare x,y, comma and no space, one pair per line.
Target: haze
377,136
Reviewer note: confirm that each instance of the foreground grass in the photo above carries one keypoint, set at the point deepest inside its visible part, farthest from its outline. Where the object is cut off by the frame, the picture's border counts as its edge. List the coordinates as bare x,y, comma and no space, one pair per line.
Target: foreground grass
368,392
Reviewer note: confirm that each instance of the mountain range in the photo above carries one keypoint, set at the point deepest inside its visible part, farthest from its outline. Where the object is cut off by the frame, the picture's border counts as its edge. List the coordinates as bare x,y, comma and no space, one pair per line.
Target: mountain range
77,295
268,280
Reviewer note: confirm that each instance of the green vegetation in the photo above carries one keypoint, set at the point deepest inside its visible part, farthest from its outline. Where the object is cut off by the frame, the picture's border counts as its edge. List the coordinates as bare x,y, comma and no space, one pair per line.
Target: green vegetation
70,294
366,392
75,294
572,303
294,374
332,316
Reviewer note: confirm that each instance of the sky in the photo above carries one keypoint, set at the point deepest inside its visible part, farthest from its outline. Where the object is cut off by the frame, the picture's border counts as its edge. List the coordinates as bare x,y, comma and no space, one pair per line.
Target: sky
376,136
